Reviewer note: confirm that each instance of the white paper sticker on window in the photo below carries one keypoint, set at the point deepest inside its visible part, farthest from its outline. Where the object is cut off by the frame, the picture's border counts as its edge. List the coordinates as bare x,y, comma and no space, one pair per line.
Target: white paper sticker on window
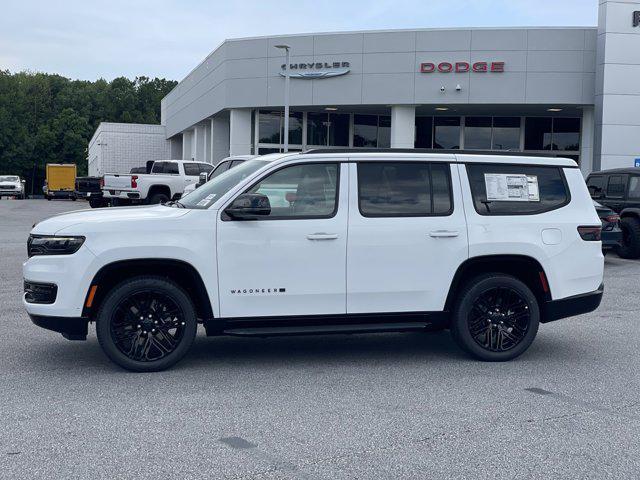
508,187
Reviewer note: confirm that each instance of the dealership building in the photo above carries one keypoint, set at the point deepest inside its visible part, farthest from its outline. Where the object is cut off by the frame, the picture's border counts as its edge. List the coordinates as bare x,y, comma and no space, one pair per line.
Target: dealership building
572,92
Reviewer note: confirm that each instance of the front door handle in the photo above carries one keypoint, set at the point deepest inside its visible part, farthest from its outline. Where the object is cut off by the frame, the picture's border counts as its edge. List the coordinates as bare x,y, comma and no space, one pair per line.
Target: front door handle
443,233
322,236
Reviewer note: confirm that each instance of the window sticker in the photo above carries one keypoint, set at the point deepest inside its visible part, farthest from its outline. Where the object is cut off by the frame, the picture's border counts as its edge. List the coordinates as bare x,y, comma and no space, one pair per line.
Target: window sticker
506,187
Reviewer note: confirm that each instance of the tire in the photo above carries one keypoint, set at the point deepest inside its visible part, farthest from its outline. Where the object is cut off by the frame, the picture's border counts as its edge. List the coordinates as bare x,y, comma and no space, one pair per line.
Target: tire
73,198
127,339
48,198
96,202
630,245
157,198
476,310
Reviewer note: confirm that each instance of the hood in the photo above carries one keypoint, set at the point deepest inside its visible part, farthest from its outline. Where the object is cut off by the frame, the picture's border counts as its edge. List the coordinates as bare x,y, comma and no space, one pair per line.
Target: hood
104,219
8,184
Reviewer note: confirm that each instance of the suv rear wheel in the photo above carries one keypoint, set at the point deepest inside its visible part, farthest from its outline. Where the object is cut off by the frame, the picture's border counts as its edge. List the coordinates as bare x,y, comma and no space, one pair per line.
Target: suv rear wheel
146,324
630,247
158,198
496,317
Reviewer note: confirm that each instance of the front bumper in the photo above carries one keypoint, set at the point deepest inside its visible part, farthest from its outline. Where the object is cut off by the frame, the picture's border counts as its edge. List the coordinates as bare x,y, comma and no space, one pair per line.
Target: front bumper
571,306
71,328
10,193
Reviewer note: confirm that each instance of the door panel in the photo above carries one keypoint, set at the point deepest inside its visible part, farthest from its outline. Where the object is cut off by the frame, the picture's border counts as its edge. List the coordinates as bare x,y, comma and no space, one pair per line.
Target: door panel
287,266
404,263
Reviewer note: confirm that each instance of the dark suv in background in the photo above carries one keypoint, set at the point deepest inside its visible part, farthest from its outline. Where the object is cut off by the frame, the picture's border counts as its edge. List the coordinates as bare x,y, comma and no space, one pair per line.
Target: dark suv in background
619,189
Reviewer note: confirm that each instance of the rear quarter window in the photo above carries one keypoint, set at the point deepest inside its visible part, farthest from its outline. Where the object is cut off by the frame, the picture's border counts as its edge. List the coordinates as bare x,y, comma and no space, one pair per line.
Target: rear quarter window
529,189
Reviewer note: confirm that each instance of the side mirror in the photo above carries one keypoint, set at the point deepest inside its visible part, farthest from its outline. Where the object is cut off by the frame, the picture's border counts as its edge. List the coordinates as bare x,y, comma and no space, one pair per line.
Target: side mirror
202,179
249,206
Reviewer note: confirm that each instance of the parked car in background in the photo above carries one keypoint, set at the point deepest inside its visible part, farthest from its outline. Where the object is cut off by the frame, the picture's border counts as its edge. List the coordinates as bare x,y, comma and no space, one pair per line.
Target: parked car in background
488,246
611,231
90,188
166,181
224,165
60,181
11,186
619,189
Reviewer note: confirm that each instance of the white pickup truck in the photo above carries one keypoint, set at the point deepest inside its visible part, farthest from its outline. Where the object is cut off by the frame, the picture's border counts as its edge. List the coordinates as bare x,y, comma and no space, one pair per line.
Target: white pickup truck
165,182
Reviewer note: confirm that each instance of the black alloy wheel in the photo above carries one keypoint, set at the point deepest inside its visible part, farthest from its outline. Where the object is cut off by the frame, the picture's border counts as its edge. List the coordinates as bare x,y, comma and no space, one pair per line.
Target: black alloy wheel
496,317
499,319
146,324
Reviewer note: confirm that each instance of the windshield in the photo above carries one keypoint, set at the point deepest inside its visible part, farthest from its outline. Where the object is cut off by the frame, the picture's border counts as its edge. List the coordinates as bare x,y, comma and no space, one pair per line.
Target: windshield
9,178
211,191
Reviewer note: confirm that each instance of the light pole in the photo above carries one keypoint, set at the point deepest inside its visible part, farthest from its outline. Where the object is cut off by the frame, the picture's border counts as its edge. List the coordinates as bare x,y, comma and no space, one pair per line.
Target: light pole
286,48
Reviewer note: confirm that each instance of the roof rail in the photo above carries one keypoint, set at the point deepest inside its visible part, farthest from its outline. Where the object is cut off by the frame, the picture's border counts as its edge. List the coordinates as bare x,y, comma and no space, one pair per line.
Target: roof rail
314,151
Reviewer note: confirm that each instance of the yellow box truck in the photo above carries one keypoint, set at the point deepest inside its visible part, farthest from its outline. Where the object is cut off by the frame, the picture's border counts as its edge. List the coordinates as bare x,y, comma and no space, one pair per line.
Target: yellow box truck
60,181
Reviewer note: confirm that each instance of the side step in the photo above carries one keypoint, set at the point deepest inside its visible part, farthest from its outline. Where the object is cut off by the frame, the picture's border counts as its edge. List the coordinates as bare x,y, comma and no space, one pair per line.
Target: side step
325,329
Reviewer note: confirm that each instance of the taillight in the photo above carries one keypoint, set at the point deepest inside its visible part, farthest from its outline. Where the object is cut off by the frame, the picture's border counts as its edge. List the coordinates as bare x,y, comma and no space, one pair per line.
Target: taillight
134,181
612,218
590,234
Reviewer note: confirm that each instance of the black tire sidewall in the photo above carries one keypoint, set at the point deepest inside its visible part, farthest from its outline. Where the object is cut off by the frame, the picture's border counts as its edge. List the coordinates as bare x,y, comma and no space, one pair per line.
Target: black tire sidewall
631,249
158,198
459,325
122,291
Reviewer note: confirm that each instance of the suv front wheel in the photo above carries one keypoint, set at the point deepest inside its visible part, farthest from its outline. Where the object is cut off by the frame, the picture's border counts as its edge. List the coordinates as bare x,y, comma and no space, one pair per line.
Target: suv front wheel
146,324
496,317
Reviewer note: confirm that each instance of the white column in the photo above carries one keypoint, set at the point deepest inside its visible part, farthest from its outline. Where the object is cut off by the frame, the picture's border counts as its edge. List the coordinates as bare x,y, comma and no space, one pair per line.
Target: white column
403,126
240,131
617,88
219,138
187,141
586,140
207,142
199,143
175,152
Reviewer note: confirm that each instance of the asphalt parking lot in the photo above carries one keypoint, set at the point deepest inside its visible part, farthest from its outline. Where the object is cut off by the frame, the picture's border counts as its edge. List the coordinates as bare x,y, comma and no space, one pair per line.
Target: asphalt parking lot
360,406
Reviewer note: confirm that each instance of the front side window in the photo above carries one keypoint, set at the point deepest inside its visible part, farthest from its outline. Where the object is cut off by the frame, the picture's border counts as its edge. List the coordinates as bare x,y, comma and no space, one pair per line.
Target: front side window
158,167
308,190
400,189
516,189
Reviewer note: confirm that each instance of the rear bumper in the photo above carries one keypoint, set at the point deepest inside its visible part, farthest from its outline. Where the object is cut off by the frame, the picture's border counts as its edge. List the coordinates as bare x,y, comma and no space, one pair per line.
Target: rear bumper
61,193
71,328
571,306
121,194
612,238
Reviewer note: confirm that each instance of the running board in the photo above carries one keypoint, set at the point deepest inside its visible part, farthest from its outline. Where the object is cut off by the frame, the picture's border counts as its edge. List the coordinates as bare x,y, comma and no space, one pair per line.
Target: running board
325,329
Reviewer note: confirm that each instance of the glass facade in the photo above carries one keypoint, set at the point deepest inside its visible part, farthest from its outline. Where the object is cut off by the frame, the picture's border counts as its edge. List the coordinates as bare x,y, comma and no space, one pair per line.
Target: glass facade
324,129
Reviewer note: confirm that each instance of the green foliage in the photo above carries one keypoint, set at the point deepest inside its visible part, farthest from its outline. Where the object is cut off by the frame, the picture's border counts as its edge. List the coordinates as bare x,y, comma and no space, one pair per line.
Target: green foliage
50,119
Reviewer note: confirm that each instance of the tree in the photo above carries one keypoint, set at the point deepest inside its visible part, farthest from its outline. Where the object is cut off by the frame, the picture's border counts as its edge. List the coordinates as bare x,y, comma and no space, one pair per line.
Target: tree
48,118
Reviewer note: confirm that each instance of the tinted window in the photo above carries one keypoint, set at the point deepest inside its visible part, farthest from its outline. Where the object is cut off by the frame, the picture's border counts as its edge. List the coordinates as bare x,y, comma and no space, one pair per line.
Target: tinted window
615,187
235,163
158,167
384,132
205,167
191,169
566,134
365,130
269,127
396,189
477,133
338,130
301,191
424,132
316,128
506,133
634,187
545,187
171,168
537,133
446,132
596,186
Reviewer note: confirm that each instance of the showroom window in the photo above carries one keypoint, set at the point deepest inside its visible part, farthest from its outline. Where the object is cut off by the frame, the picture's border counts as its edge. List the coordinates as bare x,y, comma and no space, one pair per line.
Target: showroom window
372,131
271,130
492,133
328,129
550,133
446,133
424,132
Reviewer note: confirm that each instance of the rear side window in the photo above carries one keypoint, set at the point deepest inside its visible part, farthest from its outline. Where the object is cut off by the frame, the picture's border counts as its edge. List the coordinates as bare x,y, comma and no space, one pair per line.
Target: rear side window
516,189
595,184
158,167
404,189
634,187
191,169
615,186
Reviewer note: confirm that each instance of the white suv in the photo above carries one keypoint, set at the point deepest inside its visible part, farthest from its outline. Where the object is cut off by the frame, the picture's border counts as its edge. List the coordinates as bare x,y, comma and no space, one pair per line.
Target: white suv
328,242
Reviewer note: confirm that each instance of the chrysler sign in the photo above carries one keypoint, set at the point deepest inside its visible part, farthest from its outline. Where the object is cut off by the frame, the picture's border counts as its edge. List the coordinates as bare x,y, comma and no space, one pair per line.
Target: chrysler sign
462,67
316,69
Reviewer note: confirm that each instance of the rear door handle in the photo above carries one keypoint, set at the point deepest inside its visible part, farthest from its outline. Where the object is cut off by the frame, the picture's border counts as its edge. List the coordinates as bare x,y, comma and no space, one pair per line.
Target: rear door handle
322,236
443,233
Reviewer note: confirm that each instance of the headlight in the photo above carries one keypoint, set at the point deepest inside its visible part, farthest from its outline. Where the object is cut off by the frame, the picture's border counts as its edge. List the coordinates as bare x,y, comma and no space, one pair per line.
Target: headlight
52,245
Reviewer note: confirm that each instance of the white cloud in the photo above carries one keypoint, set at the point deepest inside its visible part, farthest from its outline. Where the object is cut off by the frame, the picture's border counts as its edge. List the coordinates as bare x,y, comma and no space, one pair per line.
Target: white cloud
88,40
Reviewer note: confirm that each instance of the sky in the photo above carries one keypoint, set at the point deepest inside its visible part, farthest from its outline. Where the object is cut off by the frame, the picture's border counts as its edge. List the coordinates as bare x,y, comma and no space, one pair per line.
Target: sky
87,39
